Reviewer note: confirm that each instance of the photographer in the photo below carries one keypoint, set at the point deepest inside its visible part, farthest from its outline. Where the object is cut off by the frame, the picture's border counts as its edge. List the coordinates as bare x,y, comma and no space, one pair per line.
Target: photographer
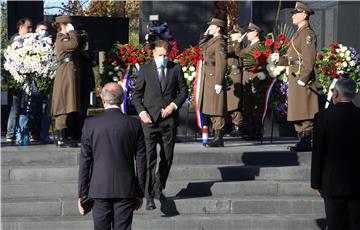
161,31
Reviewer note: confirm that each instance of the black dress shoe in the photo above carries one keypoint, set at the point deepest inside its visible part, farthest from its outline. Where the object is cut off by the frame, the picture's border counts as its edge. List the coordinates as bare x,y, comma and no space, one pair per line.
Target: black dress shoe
150,204
159,195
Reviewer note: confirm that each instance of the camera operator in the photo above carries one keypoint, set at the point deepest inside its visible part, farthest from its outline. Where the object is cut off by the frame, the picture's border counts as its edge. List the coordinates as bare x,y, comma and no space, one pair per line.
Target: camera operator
161,31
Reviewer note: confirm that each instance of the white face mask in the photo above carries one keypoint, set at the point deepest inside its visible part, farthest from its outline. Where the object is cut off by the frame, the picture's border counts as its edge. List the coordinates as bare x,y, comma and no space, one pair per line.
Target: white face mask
42,33
161,61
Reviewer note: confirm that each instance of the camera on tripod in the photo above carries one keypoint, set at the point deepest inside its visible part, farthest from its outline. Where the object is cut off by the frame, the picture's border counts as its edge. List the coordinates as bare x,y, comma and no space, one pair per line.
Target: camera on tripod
155,29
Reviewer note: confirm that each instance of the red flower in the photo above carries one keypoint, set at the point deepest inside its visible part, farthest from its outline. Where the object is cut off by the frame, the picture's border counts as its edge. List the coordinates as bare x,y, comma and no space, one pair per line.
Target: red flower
333,75
332,57
124,59
122,52
334,46
257,54
142,60
194,61
134,60
129,59
254,69
281,37
262,60
191,57
324,70
129,51
277,45
286,42
320,56
268,53
339,60
333,68
269,42
333,52
196,55
110,59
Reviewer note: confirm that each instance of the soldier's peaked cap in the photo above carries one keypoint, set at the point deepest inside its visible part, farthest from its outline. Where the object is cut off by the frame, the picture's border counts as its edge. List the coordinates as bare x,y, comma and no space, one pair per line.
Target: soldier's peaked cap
63,19
217,22
301,7
253,27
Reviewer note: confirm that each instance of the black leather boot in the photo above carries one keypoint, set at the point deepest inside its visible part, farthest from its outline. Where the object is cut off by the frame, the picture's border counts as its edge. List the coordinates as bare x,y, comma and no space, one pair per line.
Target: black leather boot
304,145
218,139
236,131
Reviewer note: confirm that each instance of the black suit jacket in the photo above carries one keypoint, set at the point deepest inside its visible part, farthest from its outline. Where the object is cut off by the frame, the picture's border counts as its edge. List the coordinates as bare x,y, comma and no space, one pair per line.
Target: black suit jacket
335,166
110,144
148,95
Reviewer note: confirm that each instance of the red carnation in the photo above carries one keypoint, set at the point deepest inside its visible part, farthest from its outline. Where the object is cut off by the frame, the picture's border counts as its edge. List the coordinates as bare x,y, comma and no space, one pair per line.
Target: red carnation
134,60
257,54
320,56
333,75
333,68
281,37
194,61
277,45
123,59
333,52
122,52
129,51
332,57
129,59
142,60
286,42
334,46
324,70
191,57
254,69
268,53
269,42
339,60
262,60
196,55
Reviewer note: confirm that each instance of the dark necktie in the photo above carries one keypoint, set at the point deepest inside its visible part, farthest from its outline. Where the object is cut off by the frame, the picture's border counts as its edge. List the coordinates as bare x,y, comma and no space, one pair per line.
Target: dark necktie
162,76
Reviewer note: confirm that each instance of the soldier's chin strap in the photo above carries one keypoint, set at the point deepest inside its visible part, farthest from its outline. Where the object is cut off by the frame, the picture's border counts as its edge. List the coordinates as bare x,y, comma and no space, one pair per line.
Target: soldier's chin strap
307,85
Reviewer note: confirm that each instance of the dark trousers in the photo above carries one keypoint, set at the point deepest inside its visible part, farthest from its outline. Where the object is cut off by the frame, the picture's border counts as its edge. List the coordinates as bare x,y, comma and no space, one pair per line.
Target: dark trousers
164,134
114,214
342,213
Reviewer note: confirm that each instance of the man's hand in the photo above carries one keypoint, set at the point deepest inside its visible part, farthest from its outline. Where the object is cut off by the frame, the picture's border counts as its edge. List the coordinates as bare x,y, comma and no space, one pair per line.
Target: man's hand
301,83
81,210
138,203
317,192
167,111
274,58
145,117
218,89
69,27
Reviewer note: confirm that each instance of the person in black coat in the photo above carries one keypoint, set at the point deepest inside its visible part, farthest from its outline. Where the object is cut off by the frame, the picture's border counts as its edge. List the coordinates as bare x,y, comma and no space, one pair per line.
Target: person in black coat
110,144
335,158
160,91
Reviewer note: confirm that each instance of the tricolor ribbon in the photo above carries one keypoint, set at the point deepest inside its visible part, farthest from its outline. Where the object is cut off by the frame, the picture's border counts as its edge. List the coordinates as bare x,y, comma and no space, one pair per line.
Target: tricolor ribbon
125,79
197,83
267,98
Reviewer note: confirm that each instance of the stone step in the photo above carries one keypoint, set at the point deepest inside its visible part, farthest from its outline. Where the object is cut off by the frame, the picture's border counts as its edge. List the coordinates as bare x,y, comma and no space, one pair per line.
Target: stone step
173,188
180,222
175,206
237,153
179,172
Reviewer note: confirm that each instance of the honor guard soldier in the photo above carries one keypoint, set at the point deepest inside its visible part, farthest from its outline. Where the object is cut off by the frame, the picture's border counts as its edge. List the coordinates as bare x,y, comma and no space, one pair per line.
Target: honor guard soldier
212,99
300,57
234,93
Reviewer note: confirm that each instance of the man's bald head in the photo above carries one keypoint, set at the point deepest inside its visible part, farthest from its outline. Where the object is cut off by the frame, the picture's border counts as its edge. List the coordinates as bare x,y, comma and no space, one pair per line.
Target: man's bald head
112,94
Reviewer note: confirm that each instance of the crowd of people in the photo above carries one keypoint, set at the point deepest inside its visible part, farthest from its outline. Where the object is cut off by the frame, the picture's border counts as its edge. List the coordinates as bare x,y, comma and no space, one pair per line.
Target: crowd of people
67,100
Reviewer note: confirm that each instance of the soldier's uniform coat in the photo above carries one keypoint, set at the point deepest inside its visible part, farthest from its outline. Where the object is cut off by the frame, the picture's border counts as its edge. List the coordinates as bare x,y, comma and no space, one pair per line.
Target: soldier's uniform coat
302,103
66,93
234,91
214,69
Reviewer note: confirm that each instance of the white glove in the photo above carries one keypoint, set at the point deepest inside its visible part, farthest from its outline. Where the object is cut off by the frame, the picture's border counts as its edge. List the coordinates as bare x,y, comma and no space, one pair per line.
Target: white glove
218,89
274,57
207,31
69,27
242,37
300,83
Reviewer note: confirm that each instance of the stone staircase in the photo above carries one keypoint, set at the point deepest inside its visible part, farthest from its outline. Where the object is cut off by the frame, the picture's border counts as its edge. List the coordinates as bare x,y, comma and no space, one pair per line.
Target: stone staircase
241,186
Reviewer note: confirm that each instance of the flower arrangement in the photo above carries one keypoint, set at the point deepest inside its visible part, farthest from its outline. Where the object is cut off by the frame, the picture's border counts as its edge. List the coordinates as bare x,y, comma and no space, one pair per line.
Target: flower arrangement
30,58
189,59
337,61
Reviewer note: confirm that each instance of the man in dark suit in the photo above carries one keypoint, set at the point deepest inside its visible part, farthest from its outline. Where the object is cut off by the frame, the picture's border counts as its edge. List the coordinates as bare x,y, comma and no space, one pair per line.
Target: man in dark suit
335,158
160,91
110,144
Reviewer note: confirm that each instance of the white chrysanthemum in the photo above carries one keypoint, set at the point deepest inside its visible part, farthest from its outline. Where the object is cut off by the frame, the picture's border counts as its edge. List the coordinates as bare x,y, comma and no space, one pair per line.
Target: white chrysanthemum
110,73
186,75
347,53
193,74
352,63
340,46
344,64
184,69
342,54
117,68
348,58
192,68
344,49
116,79
190,78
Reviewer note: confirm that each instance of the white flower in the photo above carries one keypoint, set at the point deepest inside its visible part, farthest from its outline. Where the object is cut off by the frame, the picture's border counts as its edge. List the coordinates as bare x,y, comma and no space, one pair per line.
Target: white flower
347,53
192,68
115,79
344,48
193,74
352,63
110,73
337,50
190,78
184,69
186,75
261,76
348,58
344,64
117,68
342,54
340,46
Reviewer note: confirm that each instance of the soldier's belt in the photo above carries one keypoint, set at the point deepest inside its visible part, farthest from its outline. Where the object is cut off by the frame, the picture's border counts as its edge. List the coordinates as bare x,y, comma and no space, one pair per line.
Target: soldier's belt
65,60
235,67
294,62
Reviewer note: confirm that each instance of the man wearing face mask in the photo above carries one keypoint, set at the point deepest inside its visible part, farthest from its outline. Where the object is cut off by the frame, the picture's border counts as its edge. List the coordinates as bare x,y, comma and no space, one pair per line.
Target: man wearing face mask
42,29
160,91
